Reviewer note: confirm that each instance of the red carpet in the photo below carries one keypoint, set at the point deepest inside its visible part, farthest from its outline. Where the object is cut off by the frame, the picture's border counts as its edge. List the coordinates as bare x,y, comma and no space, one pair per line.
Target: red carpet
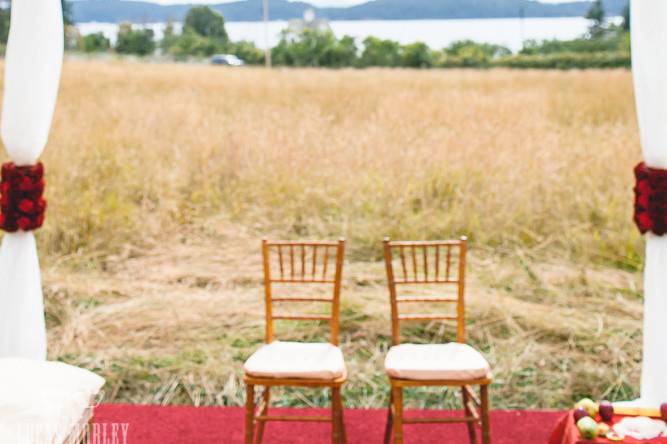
185,425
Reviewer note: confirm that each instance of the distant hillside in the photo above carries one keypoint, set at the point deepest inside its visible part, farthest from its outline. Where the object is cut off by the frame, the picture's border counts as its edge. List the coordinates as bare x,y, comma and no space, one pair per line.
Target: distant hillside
459,9
251,10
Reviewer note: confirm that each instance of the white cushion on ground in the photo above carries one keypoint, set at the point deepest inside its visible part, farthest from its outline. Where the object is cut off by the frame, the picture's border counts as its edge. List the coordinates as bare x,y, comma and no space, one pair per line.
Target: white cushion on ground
296,360
43,402
452,361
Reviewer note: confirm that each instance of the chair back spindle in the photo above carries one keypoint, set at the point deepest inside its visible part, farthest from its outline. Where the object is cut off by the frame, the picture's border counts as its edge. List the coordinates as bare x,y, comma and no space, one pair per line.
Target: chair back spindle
303,263
426,263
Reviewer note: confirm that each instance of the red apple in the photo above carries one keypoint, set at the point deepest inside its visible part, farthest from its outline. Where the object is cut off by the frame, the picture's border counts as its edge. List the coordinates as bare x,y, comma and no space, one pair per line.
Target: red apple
579,413
663,411
606,411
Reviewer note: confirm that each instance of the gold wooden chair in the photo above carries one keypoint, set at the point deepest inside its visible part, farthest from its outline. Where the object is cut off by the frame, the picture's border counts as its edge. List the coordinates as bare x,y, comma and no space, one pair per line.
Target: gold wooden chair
298,364
453,364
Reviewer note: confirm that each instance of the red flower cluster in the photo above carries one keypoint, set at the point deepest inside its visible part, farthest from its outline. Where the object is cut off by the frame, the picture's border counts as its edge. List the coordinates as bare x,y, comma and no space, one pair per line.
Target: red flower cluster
651,199
21,201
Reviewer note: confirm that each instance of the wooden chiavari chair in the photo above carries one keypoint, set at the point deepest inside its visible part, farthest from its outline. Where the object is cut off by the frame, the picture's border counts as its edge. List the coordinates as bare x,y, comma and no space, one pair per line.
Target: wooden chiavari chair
455,364
298,364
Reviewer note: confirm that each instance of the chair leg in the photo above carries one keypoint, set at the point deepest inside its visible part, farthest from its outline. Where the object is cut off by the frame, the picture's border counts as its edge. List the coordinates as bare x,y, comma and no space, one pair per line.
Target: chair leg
335,416
472,432
341,409
390,418
266,395
486,426
398,415
249,413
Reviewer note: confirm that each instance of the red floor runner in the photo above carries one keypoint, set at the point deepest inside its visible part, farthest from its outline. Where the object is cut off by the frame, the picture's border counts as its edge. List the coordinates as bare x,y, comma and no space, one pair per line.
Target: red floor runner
185,425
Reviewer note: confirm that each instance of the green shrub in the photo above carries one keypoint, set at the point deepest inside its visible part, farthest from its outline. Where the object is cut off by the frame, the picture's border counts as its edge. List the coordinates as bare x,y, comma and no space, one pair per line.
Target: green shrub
96,42
246,51
134,41
417,55
466,53
378,52
189,43
612,39
571,60
315,48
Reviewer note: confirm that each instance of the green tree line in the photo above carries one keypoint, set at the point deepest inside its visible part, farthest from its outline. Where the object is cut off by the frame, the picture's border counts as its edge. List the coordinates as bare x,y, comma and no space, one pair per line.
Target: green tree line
203,34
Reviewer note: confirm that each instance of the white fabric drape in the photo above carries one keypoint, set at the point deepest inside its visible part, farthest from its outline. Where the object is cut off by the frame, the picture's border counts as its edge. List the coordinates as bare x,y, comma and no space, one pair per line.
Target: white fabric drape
32,74
649,37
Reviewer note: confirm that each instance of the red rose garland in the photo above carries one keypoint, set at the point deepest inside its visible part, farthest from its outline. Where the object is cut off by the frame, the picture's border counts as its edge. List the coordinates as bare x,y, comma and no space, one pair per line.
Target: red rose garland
21,203
651,199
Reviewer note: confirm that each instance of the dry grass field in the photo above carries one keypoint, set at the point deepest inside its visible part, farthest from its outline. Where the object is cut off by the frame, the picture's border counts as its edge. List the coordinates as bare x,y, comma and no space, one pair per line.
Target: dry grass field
163,178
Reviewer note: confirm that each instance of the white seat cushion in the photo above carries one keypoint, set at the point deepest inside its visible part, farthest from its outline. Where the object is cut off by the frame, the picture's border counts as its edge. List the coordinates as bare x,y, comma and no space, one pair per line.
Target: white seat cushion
43,402
452,361
296,360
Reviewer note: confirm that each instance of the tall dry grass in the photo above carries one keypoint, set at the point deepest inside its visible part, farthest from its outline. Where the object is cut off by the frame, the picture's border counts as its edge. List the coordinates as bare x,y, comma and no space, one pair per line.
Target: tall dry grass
533,160
162,177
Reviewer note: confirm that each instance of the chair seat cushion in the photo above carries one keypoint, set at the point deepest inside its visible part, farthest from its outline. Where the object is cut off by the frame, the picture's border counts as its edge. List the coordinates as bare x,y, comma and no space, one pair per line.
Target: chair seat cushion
436,362
296,360
43,402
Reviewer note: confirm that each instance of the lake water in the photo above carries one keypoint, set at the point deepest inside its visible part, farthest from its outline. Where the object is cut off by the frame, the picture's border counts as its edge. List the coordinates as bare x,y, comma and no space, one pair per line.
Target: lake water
436,33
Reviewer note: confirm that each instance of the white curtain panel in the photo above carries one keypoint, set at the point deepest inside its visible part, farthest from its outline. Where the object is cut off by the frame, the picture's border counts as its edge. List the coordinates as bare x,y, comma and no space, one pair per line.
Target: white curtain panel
32,74
649,37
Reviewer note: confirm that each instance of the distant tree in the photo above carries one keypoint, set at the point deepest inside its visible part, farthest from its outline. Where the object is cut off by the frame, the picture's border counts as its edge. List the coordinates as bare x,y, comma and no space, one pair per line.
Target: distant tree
343,53
134,41
597,15
5,15
96,42
203,35
307,48
73,39
417,55
378,52
169,37
67,12
207,23
626,18
189,43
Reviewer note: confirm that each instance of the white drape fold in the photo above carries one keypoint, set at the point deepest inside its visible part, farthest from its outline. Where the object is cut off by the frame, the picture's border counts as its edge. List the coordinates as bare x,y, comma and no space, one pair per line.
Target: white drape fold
649,37
33,63
22,330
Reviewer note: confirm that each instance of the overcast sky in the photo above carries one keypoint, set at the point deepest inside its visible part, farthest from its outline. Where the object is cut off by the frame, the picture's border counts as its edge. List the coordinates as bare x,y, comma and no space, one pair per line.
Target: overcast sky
314,2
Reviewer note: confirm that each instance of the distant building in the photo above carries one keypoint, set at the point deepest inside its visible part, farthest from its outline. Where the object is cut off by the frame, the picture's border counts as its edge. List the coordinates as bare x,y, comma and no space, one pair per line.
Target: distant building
309,21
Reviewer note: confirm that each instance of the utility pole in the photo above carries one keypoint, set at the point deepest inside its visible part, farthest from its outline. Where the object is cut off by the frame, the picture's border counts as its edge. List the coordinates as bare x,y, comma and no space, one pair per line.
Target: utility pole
522,21
267,44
